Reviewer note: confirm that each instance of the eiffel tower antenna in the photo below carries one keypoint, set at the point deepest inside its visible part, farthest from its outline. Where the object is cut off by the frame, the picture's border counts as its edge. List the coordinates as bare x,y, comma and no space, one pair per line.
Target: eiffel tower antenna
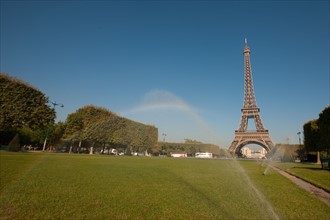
250,110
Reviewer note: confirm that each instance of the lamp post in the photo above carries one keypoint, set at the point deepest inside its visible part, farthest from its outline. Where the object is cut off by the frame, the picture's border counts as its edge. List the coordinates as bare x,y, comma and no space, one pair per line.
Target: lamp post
164,135
299,137
54,106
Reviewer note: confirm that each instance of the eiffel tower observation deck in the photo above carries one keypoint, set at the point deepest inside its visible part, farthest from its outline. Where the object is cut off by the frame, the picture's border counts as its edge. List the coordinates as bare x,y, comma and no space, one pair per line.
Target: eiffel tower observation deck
250,110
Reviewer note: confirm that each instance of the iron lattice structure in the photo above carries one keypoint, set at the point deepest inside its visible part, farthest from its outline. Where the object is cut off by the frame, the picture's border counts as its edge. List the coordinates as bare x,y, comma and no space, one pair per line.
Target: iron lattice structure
250,110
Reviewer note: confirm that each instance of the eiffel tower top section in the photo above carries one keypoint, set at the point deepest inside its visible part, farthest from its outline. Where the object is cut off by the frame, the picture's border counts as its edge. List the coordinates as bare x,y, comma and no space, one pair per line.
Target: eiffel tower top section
249,96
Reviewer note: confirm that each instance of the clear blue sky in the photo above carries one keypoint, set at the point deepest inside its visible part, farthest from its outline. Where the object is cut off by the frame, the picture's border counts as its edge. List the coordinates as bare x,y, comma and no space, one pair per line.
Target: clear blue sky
175,64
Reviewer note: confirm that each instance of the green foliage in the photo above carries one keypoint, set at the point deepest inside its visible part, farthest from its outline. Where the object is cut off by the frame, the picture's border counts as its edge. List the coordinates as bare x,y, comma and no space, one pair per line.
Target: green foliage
55,133
122,131
316,133
189,141
324,125
84,118
35,137
74,124
103,127
27,135
311,135
24,111
21,106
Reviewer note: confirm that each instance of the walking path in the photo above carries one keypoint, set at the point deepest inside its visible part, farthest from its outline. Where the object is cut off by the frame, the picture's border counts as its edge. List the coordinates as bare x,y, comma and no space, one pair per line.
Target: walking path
318,192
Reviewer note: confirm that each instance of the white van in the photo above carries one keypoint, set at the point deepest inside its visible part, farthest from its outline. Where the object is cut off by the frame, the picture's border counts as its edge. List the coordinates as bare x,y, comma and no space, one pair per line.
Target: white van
203,155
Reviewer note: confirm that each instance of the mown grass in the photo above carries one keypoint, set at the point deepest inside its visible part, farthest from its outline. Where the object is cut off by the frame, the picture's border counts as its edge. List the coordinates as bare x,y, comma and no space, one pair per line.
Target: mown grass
312,173
62,186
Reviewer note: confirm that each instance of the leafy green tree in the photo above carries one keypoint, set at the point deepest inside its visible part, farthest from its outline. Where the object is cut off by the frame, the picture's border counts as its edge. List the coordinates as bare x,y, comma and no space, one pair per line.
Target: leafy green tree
83,119
324,130
55,134
104,129
74,124
99,132
316,133
113,130
311,136
30,136
21,106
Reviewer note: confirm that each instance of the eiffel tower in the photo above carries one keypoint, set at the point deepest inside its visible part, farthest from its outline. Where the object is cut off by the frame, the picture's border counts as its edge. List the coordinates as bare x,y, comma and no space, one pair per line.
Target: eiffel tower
243,137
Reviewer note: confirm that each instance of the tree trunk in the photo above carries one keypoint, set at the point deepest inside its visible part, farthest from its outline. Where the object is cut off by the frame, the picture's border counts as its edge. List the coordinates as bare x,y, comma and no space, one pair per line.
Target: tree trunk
318,158
103,148
91,150
45,142
79,146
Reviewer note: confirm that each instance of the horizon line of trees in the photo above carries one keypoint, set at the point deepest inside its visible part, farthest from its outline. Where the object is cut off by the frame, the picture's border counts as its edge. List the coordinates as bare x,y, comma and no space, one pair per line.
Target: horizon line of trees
190,147
27,119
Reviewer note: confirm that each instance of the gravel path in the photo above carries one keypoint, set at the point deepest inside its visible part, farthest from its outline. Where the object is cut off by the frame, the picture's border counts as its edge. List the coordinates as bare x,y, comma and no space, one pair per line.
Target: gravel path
318,192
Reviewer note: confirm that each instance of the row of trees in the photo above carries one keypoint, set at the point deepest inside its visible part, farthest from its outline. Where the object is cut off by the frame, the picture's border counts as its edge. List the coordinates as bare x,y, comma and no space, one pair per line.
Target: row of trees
317,133
190,147
102,128
26,119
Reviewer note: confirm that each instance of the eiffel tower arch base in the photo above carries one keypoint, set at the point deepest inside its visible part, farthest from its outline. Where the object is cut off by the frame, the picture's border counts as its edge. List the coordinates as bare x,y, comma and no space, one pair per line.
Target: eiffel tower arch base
260,138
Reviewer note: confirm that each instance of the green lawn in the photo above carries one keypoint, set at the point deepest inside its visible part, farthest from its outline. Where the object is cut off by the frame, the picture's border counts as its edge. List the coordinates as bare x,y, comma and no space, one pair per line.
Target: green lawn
310,172
63,186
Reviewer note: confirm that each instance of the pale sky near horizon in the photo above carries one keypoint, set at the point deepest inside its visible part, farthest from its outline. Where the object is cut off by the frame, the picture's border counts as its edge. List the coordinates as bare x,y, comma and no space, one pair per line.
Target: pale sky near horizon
175,64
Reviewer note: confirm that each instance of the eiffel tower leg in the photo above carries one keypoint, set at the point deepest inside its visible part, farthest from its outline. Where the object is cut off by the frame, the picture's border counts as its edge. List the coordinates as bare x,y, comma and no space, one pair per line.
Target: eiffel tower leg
258,123
244,123
233,145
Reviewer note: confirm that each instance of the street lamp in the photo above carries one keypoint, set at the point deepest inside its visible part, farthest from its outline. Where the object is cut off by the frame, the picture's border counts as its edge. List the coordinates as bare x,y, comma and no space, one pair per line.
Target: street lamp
164,135
299,137
54,106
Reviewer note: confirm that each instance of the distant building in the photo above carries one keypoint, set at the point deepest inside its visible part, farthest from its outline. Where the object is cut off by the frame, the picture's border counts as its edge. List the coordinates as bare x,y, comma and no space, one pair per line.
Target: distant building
259,154
248,153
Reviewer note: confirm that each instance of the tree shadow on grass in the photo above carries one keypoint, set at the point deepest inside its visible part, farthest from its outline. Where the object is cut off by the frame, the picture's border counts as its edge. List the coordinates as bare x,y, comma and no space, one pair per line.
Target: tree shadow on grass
309,168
